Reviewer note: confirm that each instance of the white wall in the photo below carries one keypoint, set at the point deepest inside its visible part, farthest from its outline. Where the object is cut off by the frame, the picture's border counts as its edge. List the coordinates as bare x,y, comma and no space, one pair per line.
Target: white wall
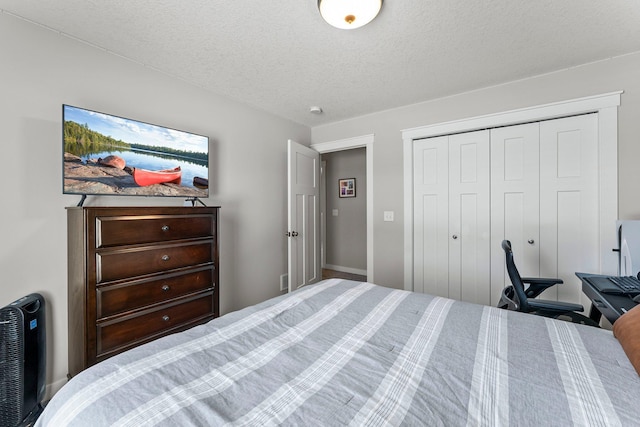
622,73
40,71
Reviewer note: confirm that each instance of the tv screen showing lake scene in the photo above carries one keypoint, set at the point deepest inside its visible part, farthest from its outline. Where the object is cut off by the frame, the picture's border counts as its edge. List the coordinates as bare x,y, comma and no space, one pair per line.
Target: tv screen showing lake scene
111,155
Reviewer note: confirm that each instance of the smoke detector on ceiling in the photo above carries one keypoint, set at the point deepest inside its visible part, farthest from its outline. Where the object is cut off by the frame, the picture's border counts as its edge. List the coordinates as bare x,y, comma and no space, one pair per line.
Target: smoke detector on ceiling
315,110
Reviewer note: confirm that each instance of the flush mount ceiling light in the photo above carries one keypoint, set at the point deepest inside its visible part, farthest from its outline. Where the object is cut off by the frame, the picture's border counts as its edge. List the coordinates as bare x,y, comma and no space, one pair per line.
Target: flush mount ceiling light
349,14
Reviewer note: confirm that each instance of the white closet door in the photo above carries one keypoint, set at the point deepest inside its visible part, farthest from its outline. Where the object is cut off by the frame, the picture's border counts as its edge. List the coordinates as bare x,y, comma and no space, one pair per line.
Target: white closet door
515,202
431,216
469,227
451,217
569,203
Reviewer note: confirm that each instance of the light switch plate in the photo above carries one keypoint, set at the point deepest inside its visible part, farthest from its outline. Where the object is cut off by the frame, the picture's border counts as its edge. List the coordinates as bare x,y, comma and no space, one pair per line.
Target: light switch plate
334,212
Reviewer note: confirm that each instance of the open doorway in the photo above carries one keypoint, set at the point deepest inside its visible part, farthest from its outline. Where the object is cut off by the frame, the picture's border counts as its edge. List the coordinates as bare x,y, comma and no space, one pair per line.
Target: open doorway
365,142
343,213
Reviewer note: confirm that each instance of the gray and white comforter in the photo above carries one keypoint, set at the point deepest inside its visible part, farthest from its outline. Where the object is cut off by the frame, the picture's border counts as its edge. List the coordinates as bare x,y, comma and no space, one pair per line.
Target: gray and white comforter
349,353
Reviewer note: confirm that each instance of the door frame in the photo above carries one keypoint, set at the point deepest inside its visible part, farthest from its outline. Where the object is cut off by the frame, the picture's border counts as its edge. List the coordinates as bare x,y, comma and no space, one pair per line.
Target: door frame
365,141
606,105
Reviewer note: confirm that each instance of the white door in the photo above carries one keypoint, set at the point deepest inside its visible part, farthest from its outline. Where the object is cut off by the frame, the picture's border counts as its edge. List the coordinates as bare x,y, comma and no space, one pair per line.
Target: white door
469,228
515,201
431,216
569,203
451,217
544,199
303,215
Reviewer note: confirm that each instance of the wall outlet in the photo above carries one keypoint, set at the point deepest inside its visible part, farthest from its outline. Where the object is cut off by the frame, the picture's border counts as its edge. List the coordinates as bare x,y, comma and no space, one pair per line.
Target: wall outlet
284,282
388,216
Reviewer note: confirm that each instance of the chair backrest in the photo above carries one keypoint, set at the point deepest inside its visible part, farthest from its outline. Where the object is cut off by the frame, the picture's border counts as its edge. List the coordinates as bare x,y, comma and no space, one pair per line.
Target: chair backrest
514,276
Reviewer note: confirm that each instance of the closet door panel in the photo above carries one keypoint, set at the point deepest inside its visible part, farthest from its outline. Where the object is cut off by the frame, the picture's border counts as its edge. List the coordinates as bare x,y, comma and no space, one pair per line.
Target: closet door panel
431,216
470,275
569,202
568,256
515,189
469,227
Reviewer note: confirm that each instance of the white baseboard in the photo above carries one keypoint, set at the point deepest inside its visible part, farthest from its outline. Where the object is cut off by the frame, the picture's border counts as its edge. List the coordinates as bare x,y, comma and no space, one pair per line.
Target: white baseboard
346,269
53,388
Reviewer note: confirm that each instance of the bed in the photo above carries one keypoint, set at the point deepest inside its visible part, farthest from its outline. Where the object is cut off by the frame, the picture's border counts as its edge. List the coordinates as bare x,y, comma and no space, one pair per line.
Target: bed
351,353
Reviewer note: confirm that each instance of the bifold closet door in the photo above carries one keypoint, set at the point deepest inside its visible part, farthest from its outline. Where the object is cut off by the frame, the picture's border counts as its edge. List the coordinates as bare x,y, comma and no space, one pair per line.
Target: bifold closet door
569,204
544,199
515,202
535,184
469,207
431,216
451,217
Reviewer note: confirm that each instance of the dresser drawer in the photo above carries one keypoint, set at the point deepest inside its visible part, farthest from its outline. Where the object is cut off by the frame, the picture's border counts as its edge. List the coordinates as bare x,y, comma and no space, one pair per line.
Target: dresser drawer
132,230
134,262
120,298
116,334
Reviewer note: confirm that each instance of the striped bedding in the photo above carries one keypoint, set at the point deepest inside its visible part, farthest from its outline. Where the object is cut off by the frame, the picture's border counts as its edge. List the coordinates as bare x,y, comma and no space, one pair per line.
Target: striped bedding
348,353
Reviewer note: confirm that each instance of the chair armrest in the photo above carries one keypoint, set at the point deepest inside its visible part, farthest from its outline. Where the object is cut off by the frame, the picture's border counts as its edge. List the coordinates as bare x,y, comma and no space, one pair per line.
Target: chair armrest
538,284
541,281
554,307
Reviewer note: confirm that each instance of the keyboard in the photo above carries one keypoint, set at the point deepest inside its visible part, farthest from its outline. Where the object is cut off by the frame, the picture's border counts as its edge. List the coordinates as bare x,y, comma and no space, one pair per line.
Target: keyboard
615,285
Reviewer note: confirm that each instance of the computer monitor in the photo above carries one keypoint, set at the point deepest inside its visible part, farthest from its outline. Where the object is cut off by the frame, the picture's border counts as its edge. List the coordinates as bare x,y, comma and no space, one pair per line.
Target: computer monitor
629,247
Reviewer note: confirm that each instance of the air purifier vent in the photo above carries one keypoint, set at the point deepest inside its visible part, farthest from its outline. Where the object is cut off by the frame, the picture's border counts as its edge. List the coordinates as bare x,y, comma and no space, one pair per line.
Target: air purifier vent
22,359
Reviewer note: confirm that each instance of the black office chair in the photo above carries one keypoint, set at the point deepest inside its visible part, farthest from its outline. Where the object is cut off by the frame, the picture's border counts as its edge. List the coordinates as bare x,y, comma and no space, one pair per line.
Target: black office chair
517,298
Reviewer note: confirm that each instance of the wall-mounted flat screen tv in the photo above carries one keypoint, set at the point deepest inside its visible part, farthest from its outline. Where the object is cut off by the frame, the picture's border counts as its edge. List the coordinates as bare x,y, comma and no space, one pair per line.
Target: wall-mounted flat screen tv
111,155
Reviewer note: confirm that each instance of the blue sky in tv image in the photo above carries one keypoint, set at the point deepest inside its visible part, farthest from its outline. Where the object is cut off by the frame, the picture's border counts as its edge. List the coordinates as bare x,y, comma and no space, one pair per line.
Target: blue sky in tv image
135,132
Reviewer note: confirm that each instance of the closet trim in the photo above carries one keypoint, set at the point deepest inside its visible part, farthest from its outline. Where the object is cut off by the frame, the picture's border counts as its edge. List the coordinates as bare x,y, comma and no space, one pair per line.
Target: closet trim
605,105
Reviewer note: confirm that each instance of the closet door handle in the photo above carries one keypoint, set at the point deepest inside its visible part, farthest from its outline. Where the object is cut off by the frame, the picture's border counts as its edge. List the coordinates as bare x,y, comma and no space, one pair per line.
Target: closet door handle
531,241
454,237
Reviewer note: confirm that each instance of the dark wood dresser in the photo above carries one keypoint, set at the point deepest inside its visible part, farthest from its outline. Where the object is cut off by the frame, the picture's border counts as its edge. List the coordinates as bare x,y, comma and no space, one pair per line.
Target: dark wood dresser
136,274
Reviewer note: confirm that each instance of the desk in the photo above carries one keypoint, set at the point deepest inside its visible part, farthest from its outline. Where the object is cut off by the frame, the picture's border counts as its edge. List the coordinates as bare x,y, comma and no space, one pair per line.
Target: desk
611,306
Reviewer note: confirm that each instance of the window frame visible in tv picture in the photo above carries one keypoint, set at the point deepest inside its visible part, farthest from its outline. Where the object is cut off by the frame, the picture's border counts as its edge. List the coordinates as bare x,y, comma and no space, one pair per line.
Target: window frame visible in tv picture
101,153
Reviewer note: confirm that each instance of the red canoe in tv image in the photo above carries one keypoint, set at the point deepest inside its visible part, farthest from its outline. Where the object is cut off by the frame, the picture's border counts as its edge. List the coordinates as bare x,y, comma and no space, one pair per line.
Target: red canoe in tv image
144,177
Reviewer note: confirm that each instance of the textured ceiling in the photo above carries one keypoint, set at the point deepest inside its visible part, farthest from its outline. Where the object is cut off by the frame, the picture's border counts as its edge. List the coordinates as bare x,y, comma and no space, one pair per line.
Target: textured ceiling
282,57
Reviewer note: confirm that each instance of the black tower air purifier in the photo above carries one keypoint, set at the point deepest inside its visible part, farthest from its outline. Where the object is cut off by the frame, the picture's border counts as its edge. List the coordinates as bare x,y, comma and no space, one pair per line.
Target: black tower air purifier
22,360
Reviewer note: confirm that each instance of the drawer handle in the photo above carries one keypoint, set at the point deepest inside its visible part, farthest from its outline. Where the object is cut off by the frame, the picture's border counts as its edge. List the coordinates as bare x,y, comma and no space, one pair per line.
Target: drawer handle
165,318
166,288
165,228
165,257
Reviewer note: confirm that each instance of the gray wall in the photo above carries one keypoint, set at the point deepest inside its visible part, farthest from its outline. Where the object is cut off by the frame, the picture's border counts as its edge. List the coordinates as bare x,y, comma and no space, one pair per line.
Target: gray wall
621,73
346,236
40,71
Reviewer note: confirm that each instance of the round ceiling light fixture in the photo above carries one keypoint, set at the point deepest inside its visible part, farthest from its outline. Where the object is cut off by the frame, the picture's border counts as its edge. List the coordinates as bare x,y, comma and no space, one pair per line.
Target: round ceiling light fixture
349,14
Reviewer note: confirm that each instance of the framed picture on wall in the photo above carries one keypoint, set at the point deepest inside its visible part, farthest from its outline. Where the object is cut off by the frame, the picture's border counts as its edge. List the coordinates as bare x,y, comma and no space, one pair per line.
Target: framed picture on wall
347,187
